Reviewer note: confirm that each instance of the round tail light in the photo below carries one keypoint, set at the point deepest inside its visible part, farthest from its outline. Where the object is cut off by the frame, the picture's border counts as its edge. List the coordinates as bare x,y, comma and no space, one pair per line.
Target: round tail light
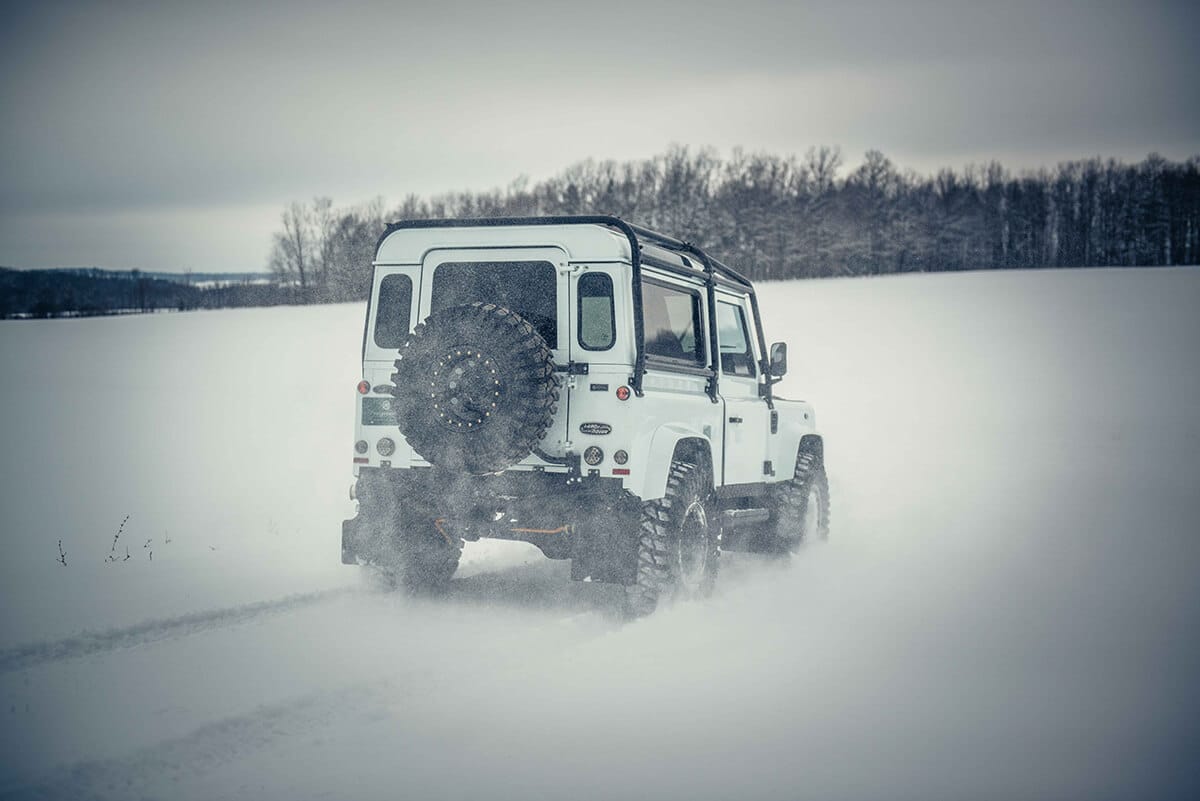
363,387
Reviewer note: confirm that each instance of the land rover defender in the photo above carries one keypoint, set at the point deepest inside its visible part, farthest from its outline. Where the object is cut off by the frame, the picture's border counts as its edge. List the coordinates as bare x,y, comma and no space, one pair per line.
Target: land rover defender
592,387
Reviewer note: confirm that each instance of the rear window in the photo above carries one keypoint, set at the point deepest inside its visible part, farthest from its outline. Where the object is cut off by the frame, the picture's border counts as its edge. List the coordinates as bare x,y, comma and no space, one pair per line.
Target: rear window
597,329
528,288
393,311
672,323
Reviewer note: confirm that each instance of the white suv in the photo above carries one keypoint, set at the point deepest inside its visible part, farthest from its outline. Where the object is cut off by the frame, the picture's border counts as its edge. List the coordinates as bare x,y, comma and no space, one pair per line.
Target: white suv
580,383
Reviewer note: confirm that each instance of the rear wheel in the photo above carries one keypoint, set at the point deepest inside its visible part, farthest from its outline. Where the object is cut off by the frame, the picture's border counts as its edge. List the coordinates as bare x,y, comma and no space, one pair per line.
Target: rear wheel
678,550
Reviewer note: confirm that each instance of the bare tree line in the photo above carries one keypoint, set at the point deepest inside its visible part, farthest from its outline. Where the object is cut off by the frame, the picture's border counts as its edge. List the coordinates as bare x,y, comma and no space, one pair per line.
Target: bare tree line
787,217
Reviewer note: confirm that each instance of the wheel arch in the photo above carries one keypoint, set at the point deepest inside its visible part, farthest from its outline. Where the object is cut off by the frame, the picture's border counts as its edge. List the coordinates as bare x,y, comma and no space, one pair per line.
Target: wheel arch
797,433
809,443
670,443
814,444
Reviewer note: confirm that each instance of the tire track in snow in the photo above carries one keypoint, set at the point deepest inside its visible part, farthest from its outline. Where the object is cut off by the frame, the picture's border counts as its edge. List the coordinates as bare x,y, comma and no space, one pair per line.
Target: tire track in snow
183,766
87,643
150,772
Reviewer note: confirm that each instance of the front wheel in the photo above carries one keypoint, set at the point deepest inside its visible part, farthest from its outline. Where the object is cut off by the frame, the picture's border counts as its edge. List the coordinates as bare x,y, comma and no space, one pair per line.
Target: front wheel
678,550
801,507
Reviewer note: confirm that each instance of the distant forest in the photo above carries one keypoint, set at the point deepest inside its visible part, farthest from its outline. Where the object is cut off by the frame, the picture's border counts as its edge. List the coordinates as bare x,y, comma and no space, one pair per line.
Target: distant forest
773,217
91,292
770,217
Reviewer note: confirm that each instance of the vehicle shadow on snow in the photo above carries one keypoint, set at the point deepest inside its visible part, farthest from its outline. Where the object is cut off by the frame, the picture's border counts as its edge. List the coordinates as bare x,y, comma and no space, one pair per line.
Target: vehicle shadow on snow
546,585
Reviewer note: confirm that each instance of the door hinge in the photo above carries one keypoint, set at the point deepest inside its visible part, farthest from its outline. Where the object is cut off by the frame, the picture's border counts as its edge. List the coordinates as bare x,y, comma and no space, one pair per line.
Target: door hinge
572,369
768,469
774,422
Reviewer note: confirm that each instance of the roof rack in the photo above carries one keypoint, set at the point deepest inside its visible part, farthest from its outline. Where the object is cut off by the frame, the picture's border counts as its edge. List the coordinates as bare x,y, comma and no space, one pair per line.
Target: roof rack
632,231
635,234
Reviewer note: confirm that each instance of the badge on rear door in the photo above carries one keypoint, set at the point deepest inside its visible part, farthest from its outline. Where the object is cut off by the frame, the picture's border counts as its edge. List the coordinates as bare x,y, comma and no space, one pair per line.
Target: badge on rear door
598,429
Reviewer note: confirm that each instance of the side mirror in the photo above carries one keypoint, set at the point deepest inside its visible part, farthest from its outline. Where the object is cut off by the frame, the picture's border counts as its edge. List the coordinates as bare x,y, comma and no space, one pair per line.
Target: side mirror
779,360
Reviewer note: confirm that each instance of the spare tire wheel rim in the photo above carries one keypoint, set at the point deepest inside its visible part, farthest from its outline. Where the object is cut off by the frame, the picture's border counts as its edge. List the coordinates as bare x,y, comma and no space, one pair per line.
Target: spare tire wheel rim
466,388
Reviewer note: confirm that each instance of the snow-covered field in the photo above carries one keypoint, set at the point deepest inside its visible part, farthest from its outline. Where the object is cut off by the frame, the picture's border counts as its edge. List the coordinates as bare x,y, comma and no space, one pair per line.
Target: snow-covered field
1009,606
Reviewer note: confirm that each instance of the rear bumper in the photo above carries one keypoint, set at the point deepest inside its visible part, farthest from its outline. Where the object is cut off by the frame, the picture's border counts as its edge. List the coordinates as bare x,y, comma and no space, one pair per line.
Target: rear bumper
589,520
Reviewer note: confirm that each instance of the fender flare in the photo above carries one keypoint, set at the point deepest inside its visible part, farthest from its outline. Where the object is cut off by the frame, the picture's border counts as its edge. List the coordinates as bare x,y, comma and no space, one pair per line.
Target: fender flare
814,444
809,443
665,443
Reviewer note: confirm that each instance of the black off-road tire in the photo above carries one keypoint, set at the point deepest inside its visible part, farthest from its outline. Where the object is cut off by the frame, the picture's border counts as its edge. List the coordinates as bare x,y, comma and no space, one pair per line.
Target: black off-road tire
678,549
475,388
409,548
800,507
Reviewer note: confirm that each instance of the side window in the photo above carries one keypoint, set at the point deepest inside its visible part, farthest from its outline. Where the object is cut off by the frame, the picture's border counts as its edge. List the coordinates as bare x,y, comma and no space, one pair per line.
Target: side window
672,323
597,328
393,311
737,354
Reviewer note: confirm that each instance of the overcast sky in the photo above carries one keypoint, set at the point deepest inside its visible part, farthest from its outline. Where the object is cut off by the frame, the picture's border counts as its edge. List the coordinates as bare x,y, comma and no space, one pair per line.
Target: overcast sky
169,135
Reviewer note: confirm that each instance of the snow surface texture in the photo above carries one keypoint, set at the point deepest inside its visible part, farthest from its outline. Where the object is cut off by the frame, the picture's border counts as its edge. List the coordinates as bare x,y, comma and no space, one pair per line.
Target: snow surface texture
1009,607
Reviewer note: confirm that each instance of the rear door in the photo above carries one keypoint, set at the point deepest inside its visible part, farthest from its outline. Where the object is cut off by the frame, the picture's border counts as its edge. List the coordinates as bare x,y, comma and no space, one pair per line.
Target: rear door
528,281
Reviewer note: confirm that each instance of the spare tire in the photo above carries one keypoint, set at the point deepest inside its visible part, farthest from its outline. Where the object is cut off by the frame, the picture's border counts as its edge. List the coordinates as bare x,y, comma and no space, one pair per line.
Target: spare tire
475,388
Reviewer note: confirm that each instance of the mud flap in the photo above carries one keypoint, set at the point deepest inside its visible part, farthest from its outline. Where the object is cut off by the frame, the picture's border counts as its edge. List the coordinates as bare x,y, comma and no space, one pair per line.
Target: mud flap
606,550
350,541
